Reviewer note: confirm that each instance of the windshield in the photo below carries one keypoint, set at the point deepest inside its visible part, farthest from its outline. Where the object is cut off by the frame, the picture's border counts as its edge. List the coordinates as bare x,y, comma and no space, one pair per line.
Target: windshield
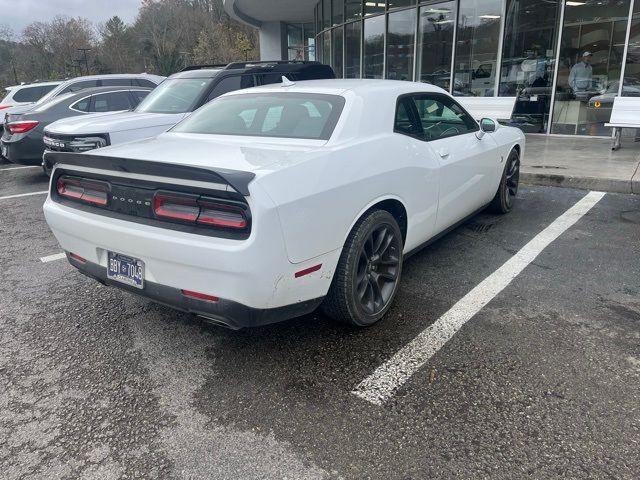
285,115
177,95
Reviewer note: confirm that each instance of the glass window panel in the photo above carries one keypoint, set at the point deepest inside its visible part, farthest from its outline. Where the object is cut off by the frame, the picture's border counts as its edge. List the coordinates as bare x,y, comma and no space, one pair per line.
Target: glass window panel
477,47
435,43
400,3
373,6
326,13
353,9
586,81
326,47
374,47
528,60
337,43
309,41
352,50
400,44
338,12
295,42
631,87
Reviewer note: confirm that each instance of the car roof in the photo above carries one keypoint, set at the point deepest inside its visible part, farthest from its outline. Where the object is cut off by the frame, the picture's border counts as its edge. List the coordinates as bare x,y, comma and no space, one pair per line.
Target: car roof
34,84
341,86
210,71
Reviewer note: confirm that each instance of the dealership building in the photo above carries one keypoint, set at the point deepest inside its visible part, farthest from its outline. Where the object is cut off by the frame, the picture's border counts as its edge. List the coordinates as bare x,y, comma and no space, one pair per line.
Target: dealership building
564,60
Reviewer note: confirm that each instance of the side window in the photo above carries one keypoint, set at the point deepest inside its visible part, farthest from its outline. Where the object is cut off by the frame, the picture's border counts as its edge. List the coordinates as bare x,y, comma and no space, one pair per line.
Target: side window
442,117
28,94
116,82
77,86
406,121
111,102
141,82
81,105
230,84
139,95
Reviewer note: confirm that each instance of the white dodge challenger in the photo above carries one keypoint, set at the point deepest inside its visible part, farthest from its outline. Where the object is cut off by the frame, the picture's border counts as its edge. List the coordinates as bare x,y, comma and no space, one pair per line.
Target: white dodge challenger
270,202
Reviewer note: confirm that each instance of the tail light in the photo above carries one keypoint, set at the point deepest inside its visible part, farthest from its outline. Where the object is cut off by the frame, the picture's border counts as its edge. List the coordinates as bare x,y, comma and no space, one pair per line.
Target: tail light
199,211
90,192
21,126
4,107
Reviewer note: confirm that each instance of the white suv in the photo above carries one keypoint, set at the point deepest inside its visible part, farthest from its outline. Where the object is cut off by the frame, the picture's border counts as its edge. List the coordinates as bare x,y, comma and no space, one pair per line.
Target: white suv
26,94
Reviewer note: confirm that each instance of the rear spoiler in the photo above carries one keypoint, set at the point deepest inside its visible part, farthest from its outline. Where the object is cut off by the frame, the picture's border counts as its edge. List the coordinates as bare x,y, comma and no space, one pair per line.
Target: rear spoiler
238,180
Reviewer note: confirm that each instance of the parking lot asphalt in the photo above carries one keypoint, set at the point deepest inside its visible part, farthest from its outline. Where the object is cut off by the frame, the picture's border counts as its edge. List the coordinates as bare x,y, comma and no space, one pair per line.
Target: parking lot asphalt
543,382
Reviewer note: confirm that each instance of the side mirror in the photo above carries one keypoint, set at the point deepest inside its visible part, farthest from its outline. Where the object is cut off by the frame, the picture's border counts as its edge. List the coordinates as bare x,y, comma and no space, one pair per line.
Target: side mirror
487,125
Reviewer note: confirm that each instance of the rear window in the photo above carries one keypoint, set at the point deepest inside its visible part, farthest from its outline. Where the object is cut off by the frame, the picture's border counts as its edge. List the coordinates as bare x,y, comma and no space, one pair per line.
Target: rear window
28,94
178,95
284,115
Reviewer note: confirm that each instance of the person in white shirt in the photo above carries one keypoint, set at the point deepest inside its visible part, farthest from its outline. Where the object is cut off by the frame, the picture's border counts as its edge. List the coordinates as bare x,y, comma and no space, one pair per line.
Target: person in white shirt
580,77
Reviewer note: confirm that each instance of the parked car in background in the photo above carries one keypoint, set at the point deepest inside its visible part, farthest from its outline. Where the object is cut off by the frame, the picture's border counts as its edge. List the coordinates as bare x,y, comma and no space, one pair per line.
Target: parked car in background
26,94
600,106
93,81
22,140
269,202
178,96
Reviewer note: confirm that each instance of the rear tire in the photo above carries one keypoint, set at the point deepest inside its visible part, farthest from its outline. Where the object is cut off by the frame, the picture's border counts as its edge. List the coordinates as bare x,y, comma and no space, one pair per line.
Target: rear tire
505,196
368,272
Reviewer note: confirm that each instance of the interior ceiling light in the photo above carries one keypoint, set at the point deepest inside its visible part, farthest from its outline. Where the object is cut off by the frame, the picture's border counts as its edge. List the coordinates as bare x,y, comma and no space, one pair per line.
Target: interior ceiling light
575,4
489,17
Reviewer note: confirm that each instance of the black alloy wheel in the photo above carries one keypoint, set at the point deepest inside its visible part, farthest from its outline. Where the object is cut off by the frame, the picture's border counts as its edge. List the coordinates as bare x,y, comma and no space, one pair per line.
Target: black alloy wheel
368,272
508,189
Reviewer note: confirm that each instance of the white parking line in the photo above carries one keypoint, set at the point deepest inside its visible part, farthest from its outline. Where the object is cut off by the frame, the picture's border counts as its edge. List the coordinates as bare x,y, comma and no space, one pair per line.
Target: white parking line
386,379
53,258
23,195
19,168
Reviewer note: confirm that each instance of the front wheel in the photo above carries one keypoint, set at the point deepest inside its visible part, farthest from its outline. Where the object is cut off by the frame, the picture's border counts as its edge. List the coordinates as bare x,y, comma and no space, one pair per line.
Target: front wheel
368,272
508,189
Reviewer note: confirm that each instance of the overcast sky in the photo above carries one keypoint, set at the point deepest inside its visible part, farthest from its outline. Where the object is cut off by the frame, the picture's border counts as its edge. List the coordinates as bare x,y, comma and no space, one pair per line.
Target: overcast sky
19,14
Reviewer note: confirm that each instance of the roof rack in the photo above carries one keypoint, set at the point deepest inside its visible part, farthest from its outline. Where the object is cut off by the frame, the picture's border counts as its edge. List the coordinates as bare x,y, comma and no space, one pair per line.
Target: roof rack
265,63
202,67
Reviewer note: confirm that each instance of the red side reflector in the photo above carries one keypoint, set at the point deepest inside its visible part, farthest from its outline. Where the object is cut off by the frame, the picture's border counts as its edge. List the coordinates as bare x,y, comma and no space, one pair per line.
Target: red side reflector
309,270
78,258
4,107
22,126
199,296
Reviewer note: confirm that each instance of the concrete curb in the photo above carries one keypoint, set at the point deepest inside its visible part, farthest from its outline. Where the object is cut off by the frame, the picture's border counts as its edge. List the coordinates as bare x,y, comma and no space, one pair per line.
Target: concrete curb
602,184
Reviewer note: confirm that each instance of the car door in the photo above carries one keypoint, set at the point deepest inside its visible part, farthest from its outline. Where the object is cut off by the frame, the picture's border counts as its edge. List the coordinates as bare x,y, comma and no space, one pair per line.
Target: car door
467,163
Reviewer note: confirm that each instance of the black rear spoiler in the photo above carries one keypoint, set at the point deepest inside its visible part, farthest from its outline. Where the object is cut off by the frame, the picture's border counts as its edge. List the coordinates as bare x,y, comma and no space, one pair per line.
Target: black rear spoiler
238,180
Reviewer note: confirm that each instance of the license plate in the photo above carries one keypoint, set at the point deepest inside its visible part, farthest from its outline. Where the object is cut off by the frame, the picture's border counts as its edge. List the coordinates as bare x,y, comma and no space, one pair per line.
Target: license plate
127,270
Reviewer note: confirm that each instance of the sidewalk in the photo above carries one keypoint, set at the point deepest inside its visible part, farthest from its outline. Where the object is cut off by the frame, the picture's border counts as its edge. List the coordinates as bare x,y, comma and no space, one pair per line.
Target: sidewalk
582,162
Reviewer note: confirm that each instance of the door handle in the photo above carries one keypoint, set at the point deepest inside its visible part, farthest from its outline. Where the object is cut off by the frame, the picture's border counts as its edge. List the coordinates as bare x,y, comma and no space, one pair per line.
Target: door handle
443,152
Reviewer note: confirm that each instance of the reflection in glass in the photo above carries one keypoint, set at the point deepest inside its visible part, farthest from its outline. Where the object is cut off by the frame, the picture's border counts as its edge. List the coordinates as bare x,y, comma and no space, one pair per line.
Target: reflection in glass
353,9
326,13
352,50
373,6
401,44
589,66
374,47
528,60
338,12
631,87
435,44
326,47
336,44
295,44
400,3
477,47
309,41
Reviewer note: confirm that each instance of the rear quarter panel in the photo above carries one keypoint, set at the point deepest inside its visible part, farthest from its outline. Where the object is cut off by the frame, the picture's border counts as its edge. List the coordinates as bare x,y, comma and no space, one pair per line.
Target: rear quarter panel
320,199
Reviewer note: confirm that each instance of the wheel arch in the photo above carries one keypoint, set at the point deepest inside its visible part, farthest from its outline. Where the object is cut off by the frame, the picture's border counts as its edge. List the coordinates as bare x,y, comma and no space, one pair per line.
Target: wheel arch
392,204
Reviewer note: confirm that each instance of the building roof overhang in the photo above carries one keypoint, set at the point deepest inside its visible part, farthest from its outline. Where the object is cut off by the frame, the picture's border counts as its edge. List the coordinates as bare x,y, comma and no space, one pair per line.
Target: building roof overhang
257,12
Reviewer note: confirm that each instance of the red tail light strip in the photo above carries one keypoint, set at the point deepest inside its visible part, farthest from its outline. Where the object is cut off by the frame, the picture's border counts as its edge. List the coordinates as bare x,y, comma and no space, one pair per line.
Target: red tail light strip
21,127
90,192
199,296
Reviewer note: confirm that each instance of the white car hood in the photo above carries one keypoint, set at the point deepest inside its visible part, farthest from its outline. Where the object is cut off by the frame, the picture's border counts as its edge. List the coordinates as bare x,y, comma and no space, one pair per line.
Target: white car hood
113,122
247,154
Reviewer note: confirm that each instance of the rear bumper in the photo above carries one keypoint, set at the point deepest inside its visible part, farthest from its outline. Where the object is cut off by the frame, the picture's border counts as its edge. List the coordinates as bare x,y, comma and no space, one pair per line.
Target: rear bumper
226,312
27,151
